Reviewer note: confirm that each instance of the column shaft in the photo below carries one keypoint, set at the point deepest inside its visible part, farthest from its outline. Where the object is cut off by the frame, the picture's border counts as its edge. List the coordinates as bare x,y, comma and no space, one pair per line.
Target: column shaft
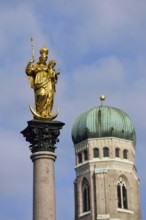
43,186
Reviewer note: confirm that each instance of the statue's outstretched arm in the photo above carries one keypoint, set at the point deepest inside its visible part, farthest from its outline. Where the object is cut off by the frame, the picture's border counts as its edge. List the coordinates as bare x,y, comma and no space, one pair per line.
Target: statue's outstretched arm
30,72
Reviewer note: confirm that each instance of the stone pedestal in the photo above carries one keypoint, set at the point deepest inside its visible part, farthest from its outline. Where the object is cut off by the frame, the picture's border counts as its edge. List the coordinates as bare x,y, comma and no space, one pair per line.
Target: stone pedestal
43,136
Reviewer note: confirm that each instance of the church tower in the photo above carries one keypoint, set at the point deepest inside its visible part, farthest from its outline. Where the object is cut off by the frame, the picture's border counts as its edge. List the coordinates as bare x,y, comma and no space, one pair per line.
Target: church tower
106,185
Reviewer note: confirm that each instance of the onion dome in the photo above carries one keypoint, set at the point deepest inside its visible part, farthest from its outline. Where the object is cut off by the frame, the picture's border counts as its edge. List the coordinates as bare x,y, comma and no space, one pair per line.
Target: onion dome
103,121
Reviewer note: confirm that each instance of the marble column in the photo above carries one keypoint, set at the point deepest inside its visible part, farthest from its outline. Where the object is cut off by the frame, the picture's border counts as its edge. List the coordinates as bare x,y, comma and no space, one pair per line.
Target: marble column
43,136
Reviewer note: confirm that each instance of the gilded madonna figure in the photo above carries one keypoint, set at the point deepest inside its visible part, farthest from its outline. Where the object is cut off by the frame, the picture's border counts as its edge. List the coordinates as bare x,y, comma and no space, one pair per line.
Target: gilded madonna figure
43,77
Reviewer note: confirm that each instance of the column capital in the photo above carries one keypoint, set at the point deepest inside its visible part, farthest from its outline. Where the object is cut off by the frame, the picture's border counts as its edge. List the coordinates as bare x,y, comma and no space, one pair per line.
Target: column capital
42,135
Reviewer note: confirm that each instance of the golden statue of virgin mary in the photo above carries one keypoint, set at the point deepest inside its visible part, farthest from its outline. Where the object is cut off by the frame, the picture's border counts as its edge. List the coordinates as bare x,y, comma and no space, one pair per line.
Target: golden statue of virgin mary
43,78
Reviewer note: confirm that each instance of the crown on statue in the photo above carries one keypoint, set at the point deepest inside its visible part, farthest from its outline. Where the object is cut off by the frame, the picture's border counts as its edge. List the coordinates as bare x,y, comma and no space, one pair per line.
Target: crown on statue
44,51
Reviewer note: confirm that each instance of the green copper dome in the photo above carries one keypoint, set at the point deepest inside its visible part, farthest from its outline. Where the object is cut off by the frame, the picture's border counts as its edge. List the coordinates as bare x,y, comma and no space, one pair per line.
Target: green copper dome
103,121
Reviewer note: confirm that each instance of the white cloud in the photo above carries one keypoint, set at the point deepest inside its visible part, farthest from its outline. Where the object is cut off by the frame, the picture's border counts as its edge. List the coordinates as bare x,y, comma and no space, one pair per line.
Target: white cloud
106,71
16,171
99,24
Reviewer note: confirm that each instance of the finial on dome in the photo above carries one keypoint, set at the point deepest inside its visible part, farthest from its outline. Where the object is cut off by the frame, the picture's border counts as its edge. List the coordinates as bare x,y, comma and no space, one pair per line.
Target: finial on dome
102,98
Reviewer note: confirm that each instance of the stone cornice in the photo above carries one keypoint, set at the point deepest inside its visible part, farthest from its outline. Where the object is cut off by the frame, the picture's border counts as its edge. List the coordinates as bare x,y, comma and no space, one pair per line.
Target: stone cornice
109,164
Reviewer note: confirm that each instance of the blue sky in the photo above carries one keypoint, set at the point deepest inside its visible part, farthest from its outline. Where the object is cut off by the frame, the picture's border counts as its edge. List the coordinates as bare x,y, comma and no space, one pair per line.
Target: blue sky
100,48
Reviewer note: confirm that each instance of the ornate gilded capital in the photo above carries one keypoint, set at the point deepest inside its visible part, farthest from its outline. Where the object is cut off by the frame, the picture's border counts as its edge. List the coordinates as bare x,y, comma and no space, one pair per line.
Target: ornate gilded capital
42,135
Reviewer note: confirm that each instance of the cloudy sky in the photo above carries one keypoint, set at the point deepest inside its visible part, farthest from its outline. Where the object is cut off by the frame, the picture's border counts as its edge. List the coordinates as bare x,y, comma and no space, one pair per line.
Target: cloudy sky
100,48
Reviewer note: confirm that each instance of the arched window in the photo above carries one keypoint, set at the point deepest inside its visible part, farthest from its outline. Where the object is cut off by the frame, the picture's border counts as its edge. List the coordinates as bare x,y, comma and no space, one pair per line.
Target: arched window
96,152
105,152
125,154
79,157
117,152
122,194
85,195
85,155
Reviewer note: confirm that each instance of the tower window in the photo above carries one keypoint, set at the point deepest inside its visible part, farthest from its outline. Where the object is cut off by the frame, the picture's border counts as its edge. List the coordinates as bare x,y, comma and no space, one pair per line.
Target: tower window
85,196
122,195
117,152
119,196
105,152
96,152
85,155
125,154
79,158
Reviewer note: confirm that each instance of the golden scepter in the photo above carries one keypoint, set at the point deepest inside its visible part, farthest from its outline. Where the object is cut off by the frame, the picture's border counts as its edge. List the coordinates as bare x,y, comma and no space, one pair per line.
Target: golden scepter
31,79
32,46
